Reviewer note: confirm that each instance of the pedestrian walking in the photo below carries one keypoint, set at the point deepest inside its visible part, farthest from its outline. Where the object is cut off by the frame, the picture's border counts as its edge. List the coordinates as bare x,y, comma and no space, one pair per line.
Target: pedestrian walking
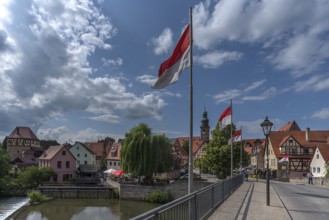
310,178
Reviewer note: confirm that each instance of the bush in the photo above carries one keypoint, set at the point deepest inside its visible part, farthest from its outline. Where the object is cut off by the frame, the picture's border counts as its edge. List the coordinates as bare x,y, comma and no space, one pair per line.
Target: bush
158,197
36,196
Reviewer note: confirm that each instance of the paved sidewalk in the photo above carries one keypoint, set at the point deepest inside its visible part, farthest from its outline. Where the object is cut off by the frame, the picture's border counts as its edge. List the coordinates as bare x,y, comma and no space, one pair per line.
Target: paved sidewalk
249,202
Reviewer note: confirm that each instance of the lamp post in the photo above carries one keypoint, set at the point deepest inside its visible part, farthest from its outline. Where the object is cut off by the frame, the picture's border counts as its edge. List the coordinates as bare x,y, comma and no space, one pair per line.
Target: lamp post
267,126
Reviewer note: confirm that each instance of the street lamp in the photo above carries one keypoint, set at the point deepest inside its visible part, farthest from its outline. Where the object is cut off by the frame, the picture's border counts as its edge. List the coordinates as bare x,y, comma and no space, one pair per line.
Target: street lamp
267,126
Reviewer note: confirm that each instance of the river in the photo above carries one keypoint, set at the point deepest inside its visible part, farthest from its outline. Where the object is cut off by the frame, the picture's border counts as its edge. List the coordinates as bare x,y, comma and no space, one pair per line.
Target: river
75,209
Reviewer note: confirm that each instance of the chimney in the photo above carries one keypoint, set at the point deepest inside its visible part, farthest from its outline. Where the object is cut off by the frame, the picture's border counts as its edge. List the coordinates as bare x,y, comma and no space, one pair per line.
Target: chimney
307,134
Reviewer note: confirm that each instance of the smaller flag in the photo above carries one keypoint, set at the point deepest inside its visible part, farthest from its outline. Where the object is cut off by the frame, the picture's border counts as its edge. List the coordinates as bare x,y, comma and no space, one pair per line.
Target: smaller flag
226,117
284,159
236,137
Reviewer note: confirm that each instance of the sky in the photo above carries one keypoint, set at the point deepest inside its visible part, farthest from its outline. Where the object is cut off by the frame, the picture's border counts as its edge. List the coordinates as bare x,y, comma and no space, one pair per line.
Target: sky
82,70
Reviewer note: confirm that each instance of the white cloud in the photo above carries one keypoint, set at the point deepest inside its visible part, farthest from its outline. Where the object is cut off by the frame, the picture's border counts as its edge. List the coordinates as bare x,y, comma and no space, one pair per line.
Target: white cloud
298,36
46,72
314,83
147,79
117,62
215,59
227,95
254,85
321,114
164,42
63,134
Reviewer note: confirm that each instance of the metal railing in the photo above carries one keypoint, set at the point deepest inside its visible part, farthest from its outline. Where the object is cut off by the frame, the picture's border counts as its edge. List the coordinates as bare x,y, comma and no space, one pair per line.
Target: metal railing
197,205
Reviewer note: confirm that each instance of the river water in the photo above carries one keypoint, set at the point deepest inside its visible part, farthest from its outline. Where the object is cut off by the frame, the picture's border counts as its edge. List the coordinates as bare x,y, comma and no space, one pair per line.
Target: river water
74,209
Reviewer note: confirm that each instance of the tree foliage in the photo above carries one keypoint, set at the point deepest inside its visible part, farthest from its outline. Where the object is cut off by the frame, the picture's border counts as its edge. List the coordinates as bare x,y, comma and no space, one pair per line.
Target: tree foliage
144,153
4,163
217,159
32,177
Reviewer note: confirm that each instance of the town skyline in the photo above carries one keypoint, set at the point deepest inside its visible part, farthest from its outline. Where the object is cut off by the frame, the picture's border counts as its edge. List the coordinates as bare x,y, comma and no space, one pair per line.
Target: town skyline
83,70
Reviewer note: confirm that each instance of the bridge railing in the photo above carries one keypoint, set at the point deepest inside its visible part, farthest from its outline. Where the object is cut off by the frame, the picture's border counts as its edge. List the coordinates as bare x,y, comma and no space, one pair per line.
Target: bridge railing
197,205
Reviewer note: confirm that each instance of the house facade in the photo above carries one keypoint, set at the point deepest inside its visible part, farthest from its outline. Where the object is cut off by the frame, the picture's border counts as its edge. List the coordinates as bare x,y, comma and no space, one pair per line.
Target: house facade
113,157
320,160
257,153
83,154
298,145
21,140
61,160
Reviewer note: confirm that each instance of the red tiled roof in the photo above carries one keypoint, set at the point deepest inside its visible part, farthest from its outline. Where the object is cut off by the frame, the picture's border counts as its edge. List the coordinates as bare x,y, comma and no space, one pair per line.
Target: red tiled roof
116,147
23,132
97,147
324,150
197,142
290,126
51,152
316,138
251,143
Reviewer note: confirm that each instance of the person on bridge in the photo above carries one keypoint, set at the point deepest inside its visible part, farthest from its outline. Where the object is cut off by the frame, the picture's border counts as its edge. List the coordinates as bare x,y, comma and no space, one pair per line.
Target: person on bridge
310,178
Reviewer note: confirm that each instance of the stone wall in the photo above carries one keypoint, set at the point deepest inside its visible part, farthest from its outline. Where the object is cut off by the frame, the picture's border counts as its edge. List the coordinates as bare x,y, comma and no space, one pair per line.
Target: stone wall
177,189
316,181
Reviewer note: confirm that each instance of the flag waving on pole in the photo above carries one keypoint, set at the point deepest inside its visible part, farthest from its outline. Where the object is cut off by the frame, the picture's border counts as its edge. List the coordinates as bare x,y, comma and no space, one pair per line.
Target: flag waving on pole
236,137
226,117
170,69
285,158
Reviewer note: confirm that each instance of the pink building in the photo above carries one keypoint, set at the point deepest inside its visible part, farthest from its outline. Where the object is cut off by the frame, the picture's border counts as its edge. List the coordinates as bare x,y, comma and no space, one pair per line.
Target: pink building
60,159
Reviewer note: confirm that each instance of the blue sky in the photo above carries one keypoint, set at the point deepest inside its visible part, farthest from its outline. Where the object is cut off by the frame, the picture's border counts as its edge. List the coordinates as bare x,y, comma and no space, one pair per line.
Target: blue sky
83,70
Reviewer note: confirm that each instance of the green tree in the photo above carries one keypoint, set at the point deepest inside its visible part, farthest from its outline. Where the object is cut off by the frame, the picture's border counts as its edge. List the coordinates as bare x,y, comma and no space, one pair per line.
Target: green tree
4,168
218,153
144,153
32,177
186,146
4,163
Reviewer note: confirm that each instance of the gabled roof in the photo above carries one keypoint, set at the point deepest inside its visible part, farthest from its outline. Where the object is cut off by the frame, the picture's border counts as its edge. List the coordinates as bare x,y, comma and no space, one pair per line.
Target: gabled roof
23,132
197,142
83,145
249,144
290,126
116,148
52,151
316,138
97,147
324,150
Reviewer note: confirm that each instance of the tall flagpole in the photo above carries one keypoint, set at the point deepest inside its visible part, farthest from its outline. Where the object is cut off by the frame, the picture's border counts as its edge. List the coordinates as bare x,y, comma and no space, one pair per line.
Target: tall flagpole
232,140
241,151
190,170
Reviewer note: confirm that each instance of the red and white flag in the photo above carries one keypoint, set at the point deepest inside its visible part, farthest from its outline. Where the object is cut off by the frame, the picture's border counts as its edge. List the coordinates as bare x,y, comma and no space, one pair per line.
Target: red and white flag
284,159
226,117
171,69
236,137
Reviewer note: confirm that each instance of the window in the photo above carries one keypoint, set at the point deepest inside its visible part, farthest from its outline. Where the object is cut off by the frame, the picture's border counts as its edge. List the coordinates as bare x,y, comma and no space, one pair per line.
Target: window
118,163
63,152
317,156
78,155
114,163
318,169
67,164
314,169
110,163
85,155
86,162
77,147
290,142
59,164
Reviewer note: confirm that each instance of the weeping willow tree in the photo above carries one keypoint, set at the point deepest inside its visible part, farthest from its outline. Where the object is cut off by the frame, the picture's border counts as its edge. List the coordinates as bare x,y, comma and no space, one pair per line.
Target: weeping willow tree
144,153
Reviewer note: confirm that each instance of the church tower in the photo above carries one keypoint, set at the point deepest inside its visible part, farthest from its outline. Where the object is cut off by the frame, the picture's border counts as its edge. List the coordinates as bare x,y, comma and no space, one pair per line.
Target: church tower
205,127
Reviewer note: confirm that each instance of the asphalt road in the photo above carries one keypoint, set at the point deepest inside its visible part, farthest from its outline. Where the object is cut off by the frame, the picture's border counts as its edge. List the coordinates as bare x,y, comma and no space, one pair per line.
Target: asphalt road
304,202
